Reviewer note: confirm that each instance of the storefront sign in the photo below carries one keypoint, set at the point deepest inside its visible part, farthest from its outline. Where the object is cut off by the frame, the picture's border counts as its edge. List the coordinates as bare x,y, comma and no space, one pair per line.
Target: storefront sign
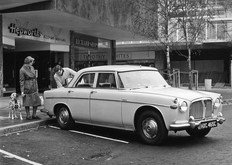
16,28
92,57
85,41
124,56
20,31
23,31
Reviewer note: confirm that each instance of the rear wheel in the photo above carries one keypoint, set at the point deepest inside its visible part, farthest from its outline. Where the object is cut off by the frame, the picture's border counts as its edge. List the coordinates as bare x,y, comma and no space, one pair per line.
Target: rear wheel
198,133
64,118
151,128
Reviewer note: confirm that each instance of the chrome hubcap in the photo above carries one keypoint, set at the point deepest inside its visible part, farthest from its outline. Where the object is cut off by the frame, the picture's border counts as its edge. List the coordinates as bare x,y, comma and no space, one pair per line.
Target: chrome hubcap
150,128
64,116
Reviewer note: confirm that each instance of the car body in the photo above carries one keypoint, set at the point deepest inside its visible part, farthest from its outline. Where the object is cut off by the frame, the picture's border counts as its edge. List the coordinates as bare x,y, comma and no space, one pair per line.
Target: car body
133,98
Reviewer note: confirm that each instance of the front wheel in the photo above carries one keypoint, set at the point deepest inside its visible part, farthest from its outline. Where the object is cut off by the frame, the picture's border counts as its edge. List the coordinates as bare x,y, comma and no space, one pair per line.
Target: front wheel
64,118
151,128
198,133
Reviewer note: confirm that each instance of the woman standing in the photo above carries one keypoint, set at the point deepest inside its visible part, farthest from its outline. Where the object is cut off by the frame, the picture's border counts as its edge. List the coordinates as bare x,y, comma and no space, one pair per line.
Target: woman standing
29,87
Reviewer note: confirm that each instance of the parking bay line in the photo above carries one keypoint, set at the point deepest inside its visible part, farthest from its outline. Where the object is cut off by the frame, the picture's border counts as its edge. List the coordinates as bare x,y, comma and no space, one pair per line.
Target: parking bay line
53,127
96,136
19,158
101,137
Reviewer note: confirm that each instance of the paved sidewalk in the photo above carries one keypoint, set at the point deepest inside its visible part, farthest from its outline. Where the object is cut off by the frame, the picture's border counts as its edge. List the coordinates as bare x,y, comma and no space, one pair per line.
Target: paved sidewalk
8,126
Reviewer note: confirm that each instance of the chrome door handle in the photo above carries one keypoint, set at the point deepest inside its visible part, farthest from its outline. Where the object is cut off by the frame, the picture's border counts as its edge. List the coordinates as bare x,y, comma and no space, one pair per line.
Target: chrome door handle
70,91
93,92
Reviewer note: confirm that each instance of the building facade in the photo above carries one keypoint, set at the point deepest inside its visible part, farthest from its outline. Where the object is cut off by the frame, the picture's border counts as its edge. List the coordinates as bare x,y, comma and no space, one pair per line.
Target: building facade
75,34
82,33
212,53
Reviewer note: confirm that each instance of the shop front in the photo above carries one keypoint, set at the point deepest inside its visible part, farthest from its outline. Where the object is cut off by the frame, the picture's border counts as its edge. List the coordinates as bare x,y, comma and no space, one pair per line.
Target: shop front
211,63
21,38
145,58
87,51
49,46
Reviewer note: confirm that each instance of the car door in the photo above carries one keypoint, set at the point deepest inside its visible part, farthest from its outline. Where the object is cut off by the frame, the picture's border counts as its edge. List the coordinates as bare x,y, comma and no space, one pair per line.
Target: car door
105,102
79,97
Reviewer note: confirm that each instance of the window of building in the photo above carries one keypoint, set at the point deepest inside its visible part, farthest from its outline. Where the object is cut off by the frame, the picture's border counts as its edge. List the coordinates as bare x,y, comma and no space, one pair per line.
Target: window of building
229,29
217,2
211,31
221,31
219,12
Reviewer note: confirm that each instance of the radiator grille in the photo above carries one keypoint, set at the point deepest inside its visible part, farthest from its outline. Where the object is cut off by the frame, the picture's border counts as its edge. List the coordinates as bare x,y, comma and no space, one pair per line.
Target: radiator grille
201,109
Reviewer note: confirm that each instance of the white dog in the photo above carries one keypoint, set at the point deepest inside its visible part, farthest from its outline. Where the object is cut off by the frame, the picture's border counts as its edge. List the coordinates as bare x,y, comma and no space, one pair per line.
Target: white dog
14,106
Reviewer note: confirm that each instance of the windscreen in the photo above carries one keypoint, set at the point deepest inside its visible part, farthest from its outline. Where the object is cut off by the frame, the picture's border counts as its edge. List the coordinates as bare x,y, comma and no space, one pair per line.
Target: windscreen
141,79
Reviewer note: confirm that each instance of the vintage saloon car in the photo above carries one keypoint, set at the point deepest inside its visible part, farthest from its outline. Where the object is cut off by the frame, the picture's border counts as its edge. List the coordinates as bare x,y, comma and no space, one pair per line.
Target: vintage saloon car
134,98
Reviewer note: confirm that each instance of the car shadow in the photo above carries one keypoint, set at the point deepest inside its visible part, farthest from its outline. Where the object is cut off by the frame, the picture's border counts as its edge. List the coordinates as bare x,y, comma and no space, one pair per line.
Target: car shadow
179,139
182,139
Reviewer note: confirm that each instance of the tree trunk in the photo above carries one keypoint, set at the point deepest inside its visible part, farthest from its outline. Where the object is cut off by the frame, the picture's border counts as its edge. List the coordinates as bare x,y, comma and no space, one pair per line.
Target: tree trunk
190,69
168,64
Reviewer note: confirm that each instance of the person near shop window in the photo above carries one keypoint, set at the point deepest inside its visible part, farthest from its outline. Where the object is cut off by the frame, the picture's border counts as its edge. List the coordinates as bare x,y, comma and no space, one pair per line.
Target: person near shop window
29,87
62,76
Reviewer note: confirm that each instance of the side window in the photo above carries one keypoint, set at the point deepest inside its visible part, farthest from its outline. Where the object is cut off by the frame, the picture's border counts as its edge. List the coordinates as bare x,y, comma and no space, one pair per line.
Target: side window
86,81
120,84
106,80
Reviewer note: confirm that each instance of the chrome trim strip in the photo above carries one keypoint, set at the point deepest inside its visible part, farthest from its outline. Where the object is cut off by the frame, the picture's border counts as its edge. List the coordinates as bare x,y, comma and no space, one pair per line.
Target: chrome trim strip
123,101
202,98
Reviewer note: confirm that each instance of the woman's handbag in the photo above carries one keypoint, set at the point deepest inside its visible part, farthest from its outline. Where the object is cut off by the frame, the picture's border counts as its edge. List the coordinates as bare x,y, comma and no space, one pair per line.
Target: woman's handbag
41,100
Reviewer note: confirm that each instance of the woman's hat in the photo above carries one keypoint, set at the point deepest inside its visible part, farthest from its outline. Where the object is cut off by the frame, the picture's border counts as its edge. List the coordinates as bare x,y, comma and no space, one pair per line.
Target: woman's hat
28,59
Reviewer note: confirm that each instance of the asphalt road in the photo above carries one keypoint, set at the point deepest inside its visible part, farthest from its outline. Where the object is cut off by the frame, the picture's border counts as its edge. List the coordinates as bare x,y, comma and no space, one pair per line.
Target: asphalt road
49,145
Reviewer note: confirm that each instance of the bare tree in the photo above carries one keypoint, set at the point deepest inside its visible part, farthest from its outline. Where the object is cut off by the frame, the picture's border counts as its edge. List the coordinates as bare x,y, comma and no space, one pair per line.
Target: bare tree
173,23
193,17
153,19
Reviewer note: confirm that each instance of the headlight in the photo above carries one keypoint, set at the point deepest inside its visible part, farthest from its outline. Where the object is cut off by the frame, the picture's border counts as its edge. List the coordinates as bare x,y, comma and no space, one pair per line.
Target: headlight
183,106
217,103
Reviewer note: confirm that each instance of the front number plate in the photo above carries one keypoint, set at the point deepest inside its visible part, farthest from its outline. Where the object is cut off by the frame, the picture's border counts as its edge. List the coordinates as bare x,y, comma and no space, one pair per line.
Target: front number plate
205,125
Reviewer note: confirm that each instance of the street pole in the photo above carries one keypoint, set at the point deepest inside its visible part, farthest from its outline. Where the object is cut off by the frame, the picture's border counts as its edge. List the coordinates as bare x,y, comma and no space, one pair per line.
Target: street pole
89,58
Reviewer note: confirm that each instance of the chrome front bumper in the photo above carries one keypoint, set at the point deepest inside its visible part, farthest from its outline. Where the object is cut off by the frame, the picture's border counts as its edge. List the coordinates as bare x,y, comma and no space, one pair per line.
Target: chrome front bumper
194,124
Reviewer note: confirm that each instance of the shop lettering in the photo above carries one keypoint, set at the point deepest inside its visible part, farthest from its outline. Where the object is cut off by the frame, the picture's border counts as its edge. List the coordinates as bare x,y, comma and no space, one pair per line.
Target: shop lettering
123,56
22,31
32,32
53,38
86,43
83,40
92,57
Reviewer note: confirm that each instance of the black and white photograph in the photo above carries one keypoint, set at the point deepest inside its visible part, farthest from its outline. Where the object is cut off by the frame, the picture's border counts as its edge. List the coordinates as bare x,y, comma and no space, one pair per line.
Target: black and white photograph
115,82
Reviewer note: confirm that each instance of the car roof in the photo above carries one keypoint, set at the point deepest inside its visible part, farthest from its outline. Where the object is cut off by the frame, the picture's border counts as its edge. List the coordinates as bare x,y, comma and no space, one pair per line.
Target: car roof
111,68
119,68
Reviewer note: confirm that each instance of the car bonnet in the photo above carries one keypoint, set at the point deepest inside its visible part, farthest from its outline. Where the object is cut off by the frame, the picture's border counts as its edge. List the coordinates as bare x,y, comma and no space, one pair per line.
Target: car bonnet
176,93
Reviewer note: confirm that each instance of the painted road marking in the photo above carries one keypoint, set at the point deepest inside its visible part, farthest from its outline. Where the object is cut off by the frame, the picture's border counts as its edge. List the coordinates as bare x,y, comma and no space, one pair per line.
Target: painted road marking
19,158
92,135
53,127
97,136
